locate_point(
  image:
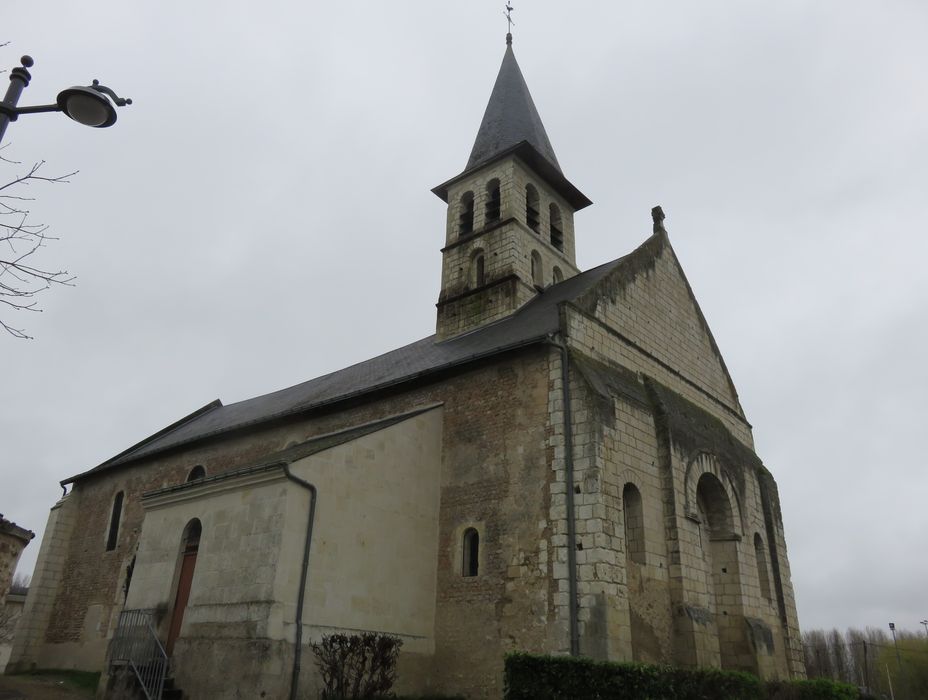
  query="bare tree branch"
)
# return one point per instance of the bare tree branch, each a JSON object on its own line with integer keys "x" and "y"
{"x": 20, "y": 240}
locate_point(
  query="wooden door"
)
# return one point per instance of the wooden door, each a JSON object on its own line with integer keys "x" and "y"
{"x": 183, "y": 594}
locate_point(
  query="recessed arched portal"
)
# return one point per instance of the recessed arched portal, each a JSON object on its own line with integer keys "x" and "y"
{"x": 190, "y": 544}
{"x": 720, "y": 542}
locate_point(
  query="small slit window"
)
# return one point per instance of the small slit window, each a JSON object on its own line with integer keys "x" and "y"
{"x": 471, "y": 561}
{"x": 116, "y": 514}
{"x": 531, "y": 208}
{"x": 493, "y": 201}
{"x": 478, "y": 275}
{"x": 537, "y": 278}
{"x": 763, "y": 575}
{"x": 557, "y": 228}
{"x": 634, "y": 524}
{"x": 466, "y": 219}
{"x": 198, "y": 472}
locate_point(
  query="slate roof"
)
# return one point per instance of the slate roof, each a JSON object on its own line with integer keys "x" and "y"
{"x": 510, "y": 118}
{"x": 296, "y": 452}
{"x": 511, "y": 126}
{"x": 533, "y": 323}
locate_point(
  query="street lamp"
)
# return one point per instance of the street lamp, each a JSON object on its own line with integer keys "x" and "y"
{"x": 90, "y": 105}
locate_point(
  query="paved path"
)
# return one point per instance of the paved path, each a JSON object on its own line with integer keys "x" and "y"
{"x": 39, "y": 688}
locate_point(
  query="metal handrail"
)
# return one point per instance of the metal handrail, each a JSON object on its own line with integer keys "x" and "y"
{"x": 136, "y": 642}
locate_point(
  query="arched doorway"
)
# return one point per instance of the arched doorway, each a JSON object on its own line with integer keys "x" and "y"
{"x": 190, "y": 544}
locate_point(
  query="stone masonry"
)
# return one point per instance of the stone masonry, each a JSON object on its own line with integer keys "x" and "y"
{"x": 13, "y": 540}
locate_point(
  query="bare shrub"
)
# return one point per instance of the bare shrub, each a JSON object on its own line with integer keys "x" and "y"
{"x": 357, "y": 666}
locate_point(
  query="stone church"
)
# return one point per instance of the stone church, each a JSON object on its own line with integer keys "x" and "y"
{"x": 563, "y": 467}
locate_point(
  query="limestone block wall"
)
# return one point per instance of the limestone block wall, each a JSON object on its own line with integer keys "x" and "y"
{"x": 676, "y": 602}
{"x": 672, "y": 590}
{"x": 28, "y": 650}
{"x": 508, "y": 246}
{"x": 513, "y": 176}
{"x": 652, "y": 308}
{"x": 590, "y": 335}
{"x": 631, "y": 460}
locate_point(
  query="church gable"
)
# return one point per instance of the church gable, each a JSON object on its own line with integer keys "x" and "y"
{"x": 647, "y": 299}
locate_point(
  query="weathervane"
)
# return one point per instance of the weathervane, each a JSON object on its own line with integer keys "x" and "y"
{"x": 508, "y": 13}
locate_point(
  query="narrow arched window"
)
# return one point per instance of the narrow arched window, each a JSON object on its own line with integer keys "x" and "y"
{"x": 557, "y": 275}
{"x": 115, "y": 515}
{"x": 763, "y": 575}
{"x": 531, "y": 207}
{"x": 479, "y": 275}
{"x": 471, "y": 552}
{"x": 634, "y": 524}
{"x": 466, "y": 220}
{"x": 537, "y": 278}
{"x": 557, "y": 228}
{"x": 493, "y": 201}
{"x": 198, "y": 472}
{"x": 191, "y": 537}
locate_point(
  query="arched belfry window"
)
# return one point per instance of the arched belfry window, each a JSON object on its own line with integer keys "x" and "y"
{"x": 493, "y": 201}
{"x": 557, "y": 227}
{"x": 477, "y": 269}
{"x": 557, "y": 275}
{"x": 466, "y": 219}
{"x": 115, "y": 515}
{"x": 763, "y": 575}
{"x": 531, "y": 207}
{"x": 198, "y": 472}
{"x": 471, "y": 561}
{"x": 537, "y": 278}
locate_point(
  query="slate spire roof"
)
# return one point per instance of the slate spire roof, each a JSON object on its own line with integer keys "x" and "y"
{"x": 510, "y": 117}
{"x": 511, "y": 126}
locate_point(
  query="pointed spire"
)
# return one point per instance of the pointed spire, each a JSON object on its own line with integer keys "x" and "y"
{"x": 510, "y": 117}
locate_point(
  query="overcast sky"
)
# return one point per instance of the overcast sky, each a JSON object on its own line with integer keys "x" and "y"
{"x": 261, "y": 215}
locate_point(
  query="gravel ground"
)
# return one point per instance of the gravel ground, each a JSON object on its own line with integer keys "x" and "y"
{"x": 39, "y": 688}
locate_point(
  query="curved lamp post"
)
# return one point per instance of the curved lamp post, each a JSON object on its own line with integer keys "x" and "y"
{"x": 93, "y": 105}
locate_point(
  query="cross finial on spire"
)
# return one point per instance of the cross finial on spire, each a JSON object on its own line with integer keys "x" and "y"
{"x": 508, "y": 13}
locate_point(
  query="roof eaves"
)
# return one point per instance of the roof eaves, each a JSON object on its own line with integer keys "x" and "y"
{"x": 535, "y": 160}
{"x": 294, "y": 453}
{"x": 305, "y": 408}
{"x": 121, "y": 457}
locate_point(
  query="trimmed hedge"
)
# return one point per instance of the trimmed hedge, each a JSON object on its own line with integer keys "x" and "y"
{"x": 531, "y": 677}
{"x": 815, "y": 689}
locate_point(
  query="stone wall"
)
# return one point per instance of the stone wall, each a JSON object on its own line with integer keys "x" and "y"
{"x": 507, "y": 245}
{"x": 13, "y": 540}
{"x": 495, "y": 472}
{"x": 644, "y": 343}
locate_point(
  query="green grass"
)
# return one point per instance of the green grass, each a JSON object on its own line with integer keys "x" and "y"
{"x": 78, "y": 680}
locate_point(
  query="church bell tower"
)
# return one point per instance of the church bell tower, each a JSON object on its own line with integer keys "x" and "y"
{"x": 510, "y": 227}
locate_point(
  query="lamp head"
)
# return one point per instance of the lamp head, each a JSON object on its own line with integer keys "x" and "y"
{"x": 91, "y": 106}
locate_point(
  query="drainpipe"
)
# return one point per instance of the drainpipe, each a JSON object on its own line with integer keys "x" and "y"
{"x": 571, "y": 524}
{"x": 298, "y": 644}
